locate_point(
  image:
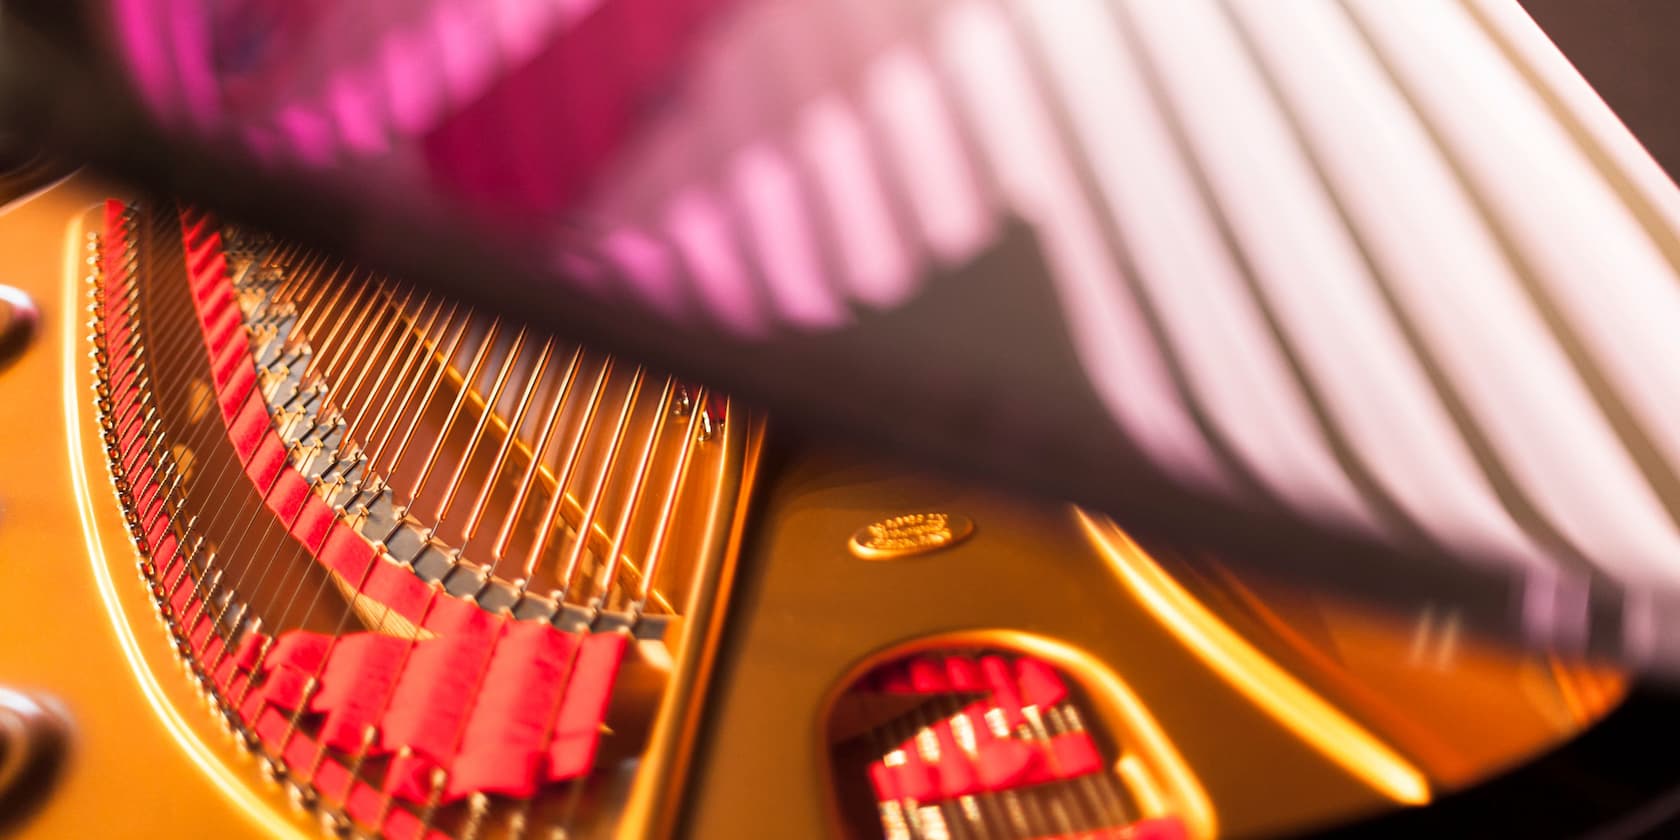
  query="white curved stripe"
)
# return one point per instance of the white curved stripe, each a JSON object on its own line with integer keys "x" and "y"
{"x": 522, "y": 27}
{"x": 354, "y": 102}
{"x": 466, "y": 57}
{"x": 1583, "y": 241}
{"x": 647, "y": 267}
{"x": 903, "y": 96}
{"x": 1323, "y": 288}
{"x": 831, "y": 139}
{"x": 1522, "y": 389}
{"x": 413, "y": 88}
{"x": 775, "y": 214}
{"x": 1617, "y": 286}
{"x": 1550, "y": 65}
{"x": 1235, "y": 370}
{"x": 309, "y": 135}
{"x": 701, "y": 231}
{"x": 1125, "y": 368}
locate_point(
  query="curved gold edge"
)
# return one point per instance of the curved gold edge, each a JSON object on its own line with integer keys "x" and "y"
{"x": 1149, "y": 764}
{"x": 655, "y": 798}
{"x": 143, "y": 665}
{"x": 1269, "y": 687}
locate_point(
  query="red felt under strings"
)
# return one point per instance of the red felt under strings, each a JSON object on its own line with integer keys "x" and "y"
{"x": 476, "y": 705}
{"x": 997, "y": 763}
{"x": 505, "y": 706}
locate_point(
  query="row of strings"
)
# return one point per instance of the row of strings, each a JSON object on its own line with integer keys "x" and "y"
{"x": 284, "y": 569}
{"x": 221, "y": 537}
{"x": 507, "y": 444}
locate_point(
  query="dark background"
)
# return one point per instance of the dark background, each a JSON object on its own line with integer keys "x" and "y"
{"x": 1630, "y": 51}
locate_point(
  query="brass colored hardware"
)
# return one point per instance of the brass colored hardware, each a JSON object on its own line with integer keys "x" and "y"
{"x": 910, "y": 534}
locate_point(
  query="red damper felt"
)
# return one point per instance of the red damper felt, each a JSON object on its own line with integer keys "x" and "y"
{"x": 1004, "y": 765}
{"x": 249, "y": 648}
{"x": 182, "y": 598}
{"x": 894, "y": 678}
{"x": 398, "y": 588}
{"x": 201, "y": 251}
{"x": 927, "y": 677}
{"x": 957, "y": 773}
{"x": 885, "y": 782}
{"x": 433, "y": 692}
{"x": 1040, "y": 685}
{"x": 313, "y": 523}
{"x": 250, "y": 425}
{"x": 217, "y": 302}
{"x": 964, "y": 675}
{"x": 1002, "y": 685}
{"x": 584, "y": 706}
{"x": 361, "y": 667}
{"x": 228, "y": 326}
{"x": 213, "y": 271}
{"x": 449, "y": 616}
{"x": 347, "y": 553}
{"x": 914, "y": 779}
{"x": 266, "y": 463}
{"x": 503, "y": 747}
{"x": 239, "y": 390}
{"x": 231, "y": 357}
{"x": 204, "y": 622}
{"x": 283, "y": 686}
{"x": 1155, "y": 828}
{"x": 1074, "y": 754}
{"x": 290, "y": 492}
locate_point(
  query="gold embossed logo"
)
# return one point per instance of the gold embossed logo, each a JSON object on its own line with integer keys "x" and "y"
{"x": 910, "y": 533}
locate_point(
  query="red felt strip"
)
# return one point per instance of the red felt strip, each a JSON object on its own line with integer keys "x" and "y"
{"x": 1007, "y": 764}
{"x": 204, "y": 624}
{"x": 220, "y": 309}
{"x": 250, "y": 425}
{"x": 957, "y": 773}
{"x": 1039, "y": 683}
{"x": 1156, "y": 828}
{"x": 885, "y": 783}
{"x": 313, "y": 522}
{"x": 240, "y": 391}
{"x": 358, "y": 676}
{"x": 456, "y": 617}
{"x": 432, "y": 695}
{"x": 249, "y": 648}
{"x": 347, "y": 553}
{"x": 501, "y": 687}
{"x": 1002, "y": 685}
{"x": 229, "y": 325}
{"x": 964, "y": 675}
{"x": 399, "y": 589}
{"x": 914, "y": 779}
{"x": 232, "y": 357}
{"x": 927, "y": 676}
{"x": 585, "y": 704}
{"x": 503, "y": 742}
{"x": 267, "y": 462}
{"x": 1074, "y": 754}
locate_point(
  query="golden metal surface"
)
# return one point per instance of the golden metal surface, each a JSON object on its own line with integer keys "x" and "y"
{"x": 1234, "y": 718}
{"x": 1255, "y": 742}
{"x": 909, "y": 534}
{"x": 144, "y": 758}
{"x": 1288, "y": 702}
{"x": 807, "y": 613}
